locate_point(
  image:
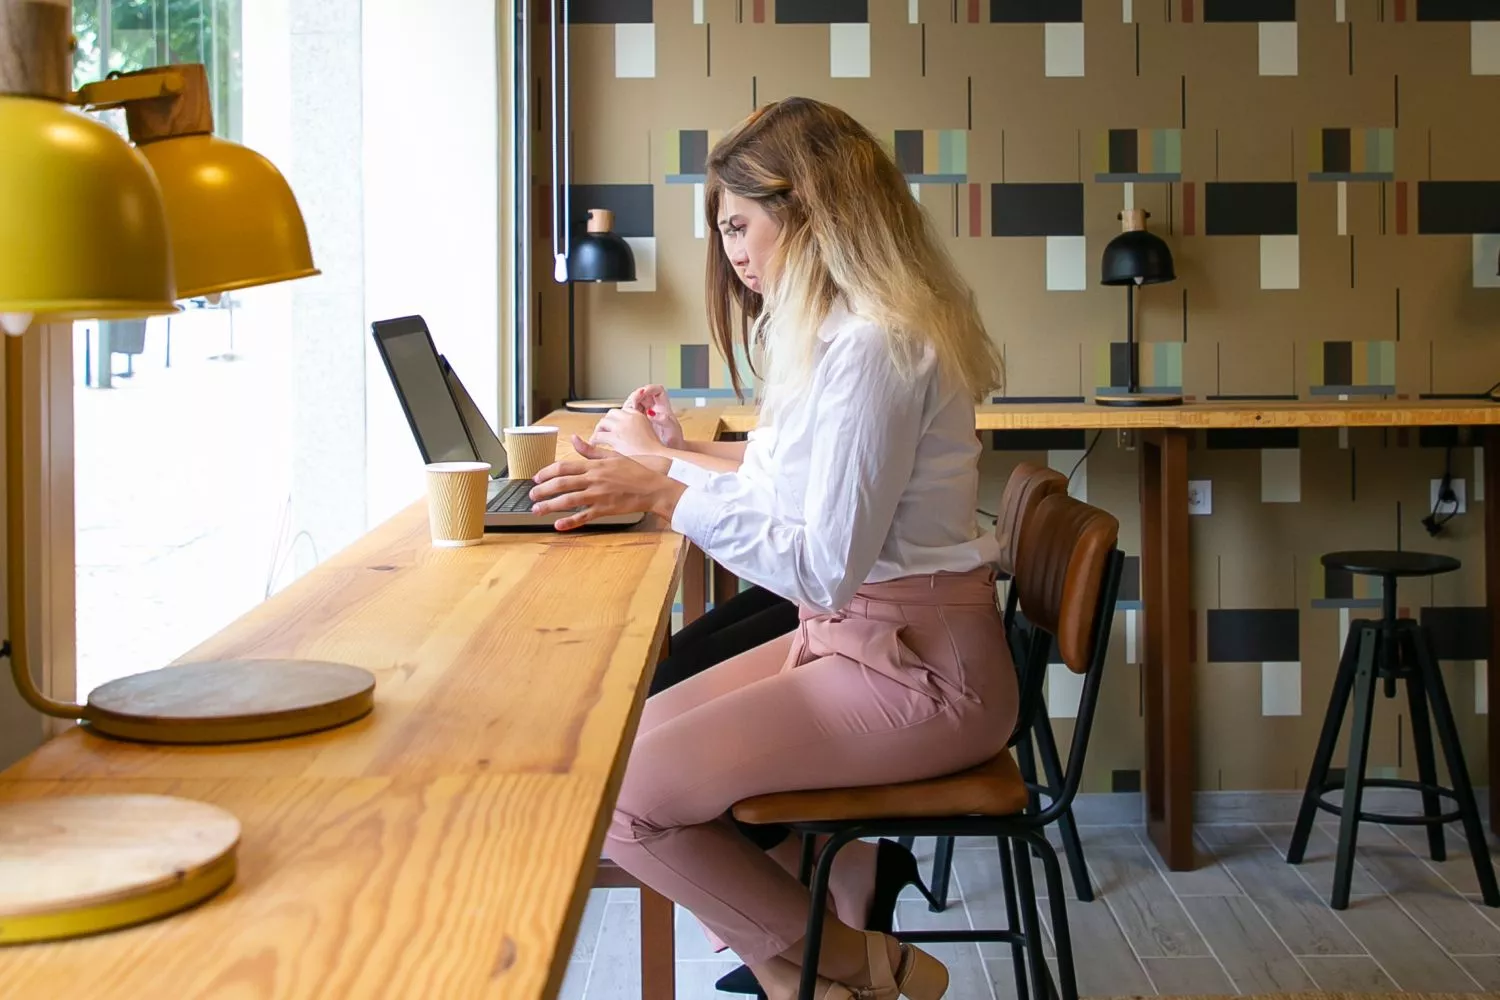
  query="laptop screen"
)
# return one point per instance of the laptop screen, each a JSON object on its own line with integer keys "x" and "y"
{"x": 412, "y": 362}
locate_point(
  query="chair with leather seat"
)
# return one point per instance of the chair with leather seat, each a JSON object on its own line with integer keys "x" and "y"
{"x": 1027, "y": 486}
{"x": 1067, "y": 579}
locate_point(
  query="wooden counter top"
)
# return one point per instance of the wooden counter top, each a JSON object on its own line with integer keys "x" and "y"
{"x": 444, "y": 845}
{"x": 1221, "y": 414}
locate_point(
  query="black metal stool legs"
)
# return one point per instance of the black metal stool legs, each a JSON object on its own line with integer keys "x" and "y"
{"x": 1421, "y": 740}
{"x": 1458, "y": 771}
{"x": 1354, "y": 773}
{"x": 1333, "y": 721}
{"x": 1392, "y": 651}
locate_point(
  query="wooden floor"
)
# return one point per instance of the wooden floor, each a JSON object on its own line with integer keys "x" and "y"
{"x": 1246, "y": 922}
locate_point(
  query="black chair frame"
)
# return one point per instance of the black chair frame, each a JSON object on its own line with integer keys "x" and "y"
{"x": 1026, "y": 828}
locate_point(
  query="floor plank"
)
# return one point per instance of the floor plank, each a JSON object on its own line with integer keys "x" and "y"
{"x": 1208, "y": 879}
{"x": 1152, "y": 919}
{"x": 1254, "y": 957}
{"x": 1484, "y": 968}
{"x": 1103, "y": 961}
{"x": 588, "y": 927}
{"x": 1349, "y": 975}
{"x": 575, "y": 981}
{"x": 617, "y": 960}
{"x": 984, "y": 897}
{"x": 1454, "y": 922}
{"x": 1457, "y": 870}
{"x": 1003, "y": 978}
{"x": 1318, "y": 862}
{"x": 1175, "y": 977}
{"x": 1305, "y": 922}
{"x": 1408, "y": 955}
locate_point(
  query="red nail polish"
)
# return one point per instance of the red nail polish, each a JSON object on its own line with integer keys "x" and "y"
{"x": 650, "y": 413}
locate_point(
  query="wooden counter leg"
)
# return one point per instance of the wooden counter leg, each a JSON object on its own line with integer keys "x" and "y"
{"x": 1491, "y": 443}
{"x": 694, "y": 585}
{"x": 658, "y": 947}
{"x": 1167, "y": 663}
{"x": 726, "y": 584}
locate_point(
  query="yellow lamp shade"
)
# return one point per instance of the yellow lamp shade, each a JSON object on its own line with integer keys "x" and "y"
{"x": 83, "y": 234}
{"x": 232, "y": 216}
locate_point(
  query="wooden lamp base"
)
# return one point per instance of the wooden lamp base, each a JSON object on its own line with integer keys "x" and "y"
{"x": 1140, "y": 399}
{"x": 86, "y": 864}
{"x": 232, "y": 701}
{"x": 593, "y": 405}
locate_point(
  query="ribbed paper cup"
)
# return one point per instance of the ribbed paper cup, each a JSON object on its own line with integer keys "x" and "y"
{"x": 455, "y": 502}
{"x": 529, "y": 450}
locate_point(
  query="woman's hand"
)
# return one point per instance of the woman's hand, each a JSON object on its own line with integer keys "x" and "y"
{"x": 652, "y": 400}
{"x": 629, "y": 432}
{"x": 599, "y": 486}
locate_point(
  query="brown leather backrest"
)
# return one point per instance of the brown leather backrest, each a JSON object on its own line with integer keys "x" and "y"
{"x": 1028, "y": 485}
{"x": 1063, "y": 559}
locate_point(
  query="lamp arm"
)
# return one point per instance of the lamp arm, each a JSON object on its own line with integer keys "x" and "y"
{"x": 16, "y": 646}
{"x": 118, "y": 91}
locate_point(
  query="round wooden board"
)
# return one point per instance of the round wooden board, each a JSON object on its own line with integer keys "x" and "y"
{"x": 231, "y": 701}
{"x": 593, "y": 405}
{"x": 1139, "y": 399}
{"x": 83, "y": 864}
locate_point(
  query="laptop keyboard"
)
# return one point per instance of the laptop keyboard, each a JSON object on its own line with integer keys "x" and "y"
{"x": 513, "y": 498}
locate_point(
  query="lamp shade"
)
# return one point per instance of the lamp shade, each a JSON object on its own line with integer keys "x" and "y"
{"x": 1136, "y": 257}
{"x": 233, "y": 219}
{"x": 84, "y": 230}
{"x": 601, "y": 254}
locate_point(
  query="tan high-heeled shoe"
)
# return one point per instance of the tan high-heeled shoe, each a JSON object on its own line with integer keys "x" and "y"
{"x": 782, "y": 979}
{"x": 918, "y": 977}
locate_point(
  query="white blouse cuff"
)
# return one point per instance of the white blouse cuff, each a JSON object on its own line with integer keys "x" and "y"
{"x": 688, "y": 474}
{"x": 698, "y": 512}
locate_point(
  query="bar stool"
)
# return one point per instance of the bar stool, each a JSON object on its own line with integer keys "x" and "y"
{"x": 1392, "y": 649}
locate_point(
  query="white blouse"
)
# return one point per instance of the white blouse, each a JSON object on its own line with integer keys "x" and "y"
{"x": 867, "y": 476}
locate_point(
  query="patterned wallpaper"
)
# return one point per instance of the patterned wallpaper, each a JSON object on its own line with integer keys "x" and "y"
{"x": 1327, "y": 174}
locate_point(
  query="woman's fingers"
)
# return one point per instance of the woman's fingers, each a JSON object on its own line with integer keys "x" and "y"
{"x": 586, "y": 448}
{"x": 560, "y": 469}
{"x": 559, "y": 486}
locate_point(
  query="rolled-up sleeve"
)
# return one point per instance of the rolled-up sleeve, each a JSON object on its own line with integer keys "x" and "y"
{"x": 688, "y": 474}
{"x": 868, "y": 421}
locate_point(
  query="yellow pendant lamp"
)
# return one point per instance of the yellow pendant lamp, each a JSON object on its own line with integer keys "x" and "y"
{"x": 96, "y": 228}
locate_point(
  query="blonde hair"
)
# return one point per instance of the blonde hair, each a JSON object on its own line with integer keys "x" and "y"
{"x": 850, "y": 229}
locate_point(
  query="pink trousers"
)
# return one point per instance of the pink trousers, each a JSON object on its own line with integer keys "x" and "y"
{"x": 912, "y": 680}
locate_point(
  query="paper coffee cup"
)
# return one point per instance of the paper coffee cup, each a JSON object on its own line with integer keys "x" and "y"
{"x": 455, "y": 502}
{"x": 529, "y": 450}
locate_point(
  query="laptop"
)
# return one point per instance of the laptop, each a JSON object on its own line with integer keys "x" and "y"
{"x": 449, "y": 426}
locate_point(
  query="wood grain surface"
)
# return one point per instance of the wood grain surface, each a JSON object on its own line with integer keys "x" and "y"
{"x": 1289, "y": 413}
{"x": 442, "y": 846}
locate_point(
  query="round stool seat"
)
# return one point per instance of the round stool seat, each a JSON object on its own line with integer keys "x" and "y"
{"x": 1380, "y": 562}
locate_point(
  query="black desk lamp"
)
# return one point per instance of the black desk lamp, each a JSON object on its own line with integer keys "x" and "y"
{"x": 600, "y": 254}
{"x": 1136, "y": 257}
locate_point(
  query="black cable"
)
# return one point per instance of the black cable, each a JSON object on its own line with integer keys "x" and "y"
{"x": 1076, "y": 466}
{"x": 1433, "y": 522}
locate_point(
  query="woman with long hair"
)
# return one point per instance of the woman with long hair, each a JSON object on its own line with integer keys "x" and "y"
{"x": 855, "y": 500}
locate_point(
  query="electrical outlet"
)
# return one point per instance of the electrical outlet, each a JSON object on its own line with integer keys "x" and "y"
{"x": 1200, "y": 496}
{"x": 1445, "y": 507}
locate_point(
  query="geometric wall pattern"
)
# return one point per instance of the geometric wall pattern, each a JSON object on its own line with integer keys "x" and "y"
{"x": 1327, "y": 175}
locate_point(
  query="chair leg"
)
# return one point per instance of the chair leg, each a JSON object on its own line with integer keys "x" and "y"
{"x": 1030, "y": 920}
{"x": 1458, "y": 771}
{"x": 812, "y": 945}
{"x": 1354, "y": 777}
{"x": 1067, "y": 826}
{"x": 906, "y": 842}
{"x": 809, "y": 848}
{"x": 1333, "y": 721}
{"x": 1421, "y": 739}
{"x": 1061, "y": 937}
{"x": 1012, "y": 912}
{"x": 942, "y": 869}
